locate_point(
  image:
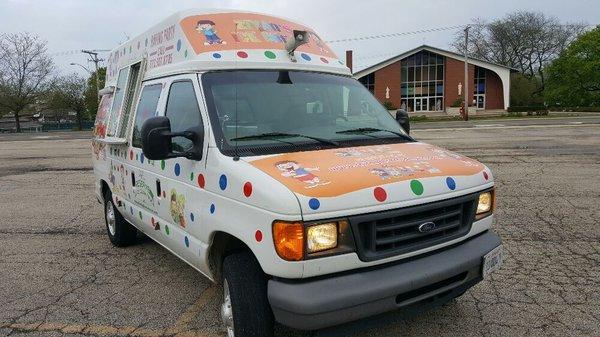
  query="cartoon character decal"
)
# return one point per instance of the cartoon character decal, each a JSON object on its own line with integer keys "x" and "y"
{"x": 177, "y": 208}
{"x": 389, "y": 172}
{"x": 116, "y": 176}
{"x": 207, "y": 28}
{"x": 142, "y": 194}
{"x": 294, "y": 170}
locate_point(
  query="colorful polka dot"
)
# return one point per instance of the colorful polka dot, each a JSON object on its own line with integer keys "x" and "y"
{"x": 416, "y": 187}
{"x": 185, "y": 54}
{"x": 451, "y": 183}
{"x": 305, "y": 56}
{"x": 201, "y": 181}
{"x": 223, "y": 182}
{"x": 242, "y": 54}
{"x": 216, "y": 55}
{"x": 131, "y": 210}
{"x": 140, "y": 214}
{"x": 324, "y": 60}
{"x": 191, "y": 176}
{"x": 212, "y": 208}
{"x": 192, "y": 217}
{"x": 248, "y": 189}
{"x": 142, "y": 158}
{"x": 130, "y": 154}
{"x": 177, "y": 169}
{"x": 258, "y": 236}
{"x": 270, "y": 55}
{"x": 162, "y": 164}
{"x": 187, "y": 242}
{"x": 314, "y": 203}
{"x": 179, "y": 45}
{"x": 137, "y": 157}
{"x": 380, "y": 194}
{"x": 167, "y": 230}
{"x": 485, "y": 175}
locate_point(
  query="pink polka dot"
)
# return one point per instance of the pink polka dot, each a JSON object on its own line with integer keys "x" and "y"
{"x": 324, "y": 60}
{"x": 380, "y": 194}
{"x": 485, "y": 175}
{"x": 131, "y": 154}
{"x": 258, "y": 236}
{"x": 242, "y": 54}
{"x": 152, "y": 221}
{"x": 164, "y": 194}
{"x": 201, "y": 181}
{"x": 247, "y": 189}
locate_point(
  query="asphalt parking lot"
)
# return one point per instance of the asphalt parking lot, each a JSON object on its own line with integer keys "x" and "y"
{"x": 59, "y": 275}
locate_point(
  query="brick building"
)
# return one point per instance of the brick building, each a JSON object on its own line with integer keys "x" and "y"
{"x": 429, "y": 80}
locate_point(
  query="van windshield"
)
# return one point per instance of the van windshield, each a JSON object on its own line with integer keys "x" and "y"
{"x": 264, "y": 112}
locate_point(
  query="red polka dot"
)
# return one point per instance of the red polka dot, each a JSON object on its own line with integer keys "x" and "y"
{"x": 131, "y": 154}
{"x": 485, "y": 175}
{"x": 324, "y": 60}
{"x": 164, "y": 194}
{"x": 380, "y": 194}
{"x": 152, "y": 221}
{"x": 258, "y": 236}
{"x": 201, "y": 181}
{"x": 242, "y": 54}
{"x": 247, "y": 189}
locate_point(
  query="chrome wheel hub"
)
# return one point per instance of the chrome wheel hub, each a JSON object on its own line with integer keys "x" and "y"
{"x": 226, "y": 312}
{"x": 111, "y": 221}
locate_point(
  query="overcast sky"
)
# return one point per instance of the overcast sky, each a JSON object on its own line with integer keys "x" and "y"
{"x": 102, "y": 24}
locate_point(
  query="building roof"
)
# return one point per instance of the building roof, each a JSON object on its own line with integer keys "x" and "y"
{"x": 443, "y": 52}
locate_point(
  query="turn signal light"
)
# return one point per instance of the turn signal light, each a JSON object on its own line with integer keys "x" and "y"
{"x": 288, "y": 238}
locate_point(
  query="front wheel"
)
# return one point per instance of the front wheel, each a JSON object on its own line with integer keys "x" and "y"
{"x": 245, "y": 310}
{"x": 120, "y": 232}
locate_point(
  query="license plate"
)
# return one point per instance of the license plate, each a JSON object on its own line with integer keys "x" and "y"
{"x": 492, "y": 261}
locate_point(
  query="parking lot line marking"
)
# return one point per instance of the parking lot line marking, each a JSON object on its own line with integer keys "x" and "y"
{"x": 183, "y": 322}
{"x": 85, "y": 329}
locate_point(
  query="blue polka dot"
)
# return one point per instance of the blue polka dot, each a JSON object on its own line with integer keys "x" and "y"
{"x": 177, "y": 169}
{"x": 314, "y": 203}
{"x": 217, "y": 55}
{"x": 179, "y": 45}
{"x": 223, "y": 182}
{"x": 451, "y": 183}
{"x": 305, "y": 56}
{"x": 187, "y": 242}
{"x": 131, "y": 209}
{"x": 212, "y": 209}
{"x": 142, "y": 158}
{"x": 192, "y": 217}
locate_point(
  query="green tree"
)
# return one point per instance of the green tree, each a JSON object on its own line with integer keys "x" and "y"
{"x": 91, "y": 92}
{"x": 68, "y": 94}
{"x": 574, "y": 78}
{"x": 523, "y": 90}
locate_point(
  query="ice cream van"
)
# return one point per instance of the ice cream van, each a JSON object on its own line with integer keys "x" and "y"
{"x": 241, "y": 143}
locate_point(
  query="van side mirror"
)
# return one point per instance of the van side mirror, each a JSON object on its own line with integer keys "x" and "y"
{"x": 156, "y": 140}
{"x": 403, "y": 120}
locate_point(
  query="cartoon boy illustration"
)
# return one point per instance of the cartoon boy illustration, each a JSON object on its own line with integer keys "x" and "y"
{"x": 207, "y": 27}
{"x": 177, "y": 208}
{"x": 293, "y": 170}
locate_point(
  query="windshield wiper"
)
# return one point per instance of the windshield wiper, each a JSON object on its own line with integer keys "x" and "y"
{"x": 275, "y": 135}
{"x": 370, "y": 130}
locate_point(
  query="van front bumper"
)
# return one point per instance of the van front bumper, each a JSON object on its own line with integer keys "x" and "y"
{"x": 413, "y": 285}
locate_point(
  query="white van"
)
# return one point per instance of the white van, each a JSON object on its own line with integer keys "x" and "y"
{"x": 241, "y": 143}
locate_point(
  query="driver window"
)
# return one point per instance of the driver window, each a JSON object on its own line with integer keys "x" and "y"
{"x": 183, "y": 112}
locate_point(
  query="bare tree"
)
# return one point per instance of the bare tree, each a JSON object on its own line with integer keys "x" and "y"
{"x": 527, "y": 41}
{"x": 25, "y": 71}
{"x": 66, "y": 94}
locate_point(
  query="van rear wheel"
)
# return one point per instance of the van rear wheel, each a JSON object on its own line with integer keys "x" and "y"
{"x": 120, "y": 232}
{"x": 245, "y": 311}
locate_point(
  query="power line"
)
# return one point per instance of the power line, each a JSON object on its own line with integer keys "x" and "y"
{"x": 77, "y": 51}
{"x": 371, "y": 37}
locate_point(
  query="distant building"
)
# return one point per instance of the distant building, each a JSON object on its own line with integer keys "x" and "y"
{"x": 429, "y": 80}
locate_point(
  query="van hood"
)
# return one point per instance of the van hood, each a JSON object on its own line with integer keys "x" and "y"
{"x": 359, "y": 177}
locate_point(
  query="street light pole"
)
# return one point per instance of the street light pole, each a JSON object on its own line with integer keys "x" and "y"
{"x": 89, "y": 72}
{"x": 94, "y": 58}
{"x": 466, "y": 100}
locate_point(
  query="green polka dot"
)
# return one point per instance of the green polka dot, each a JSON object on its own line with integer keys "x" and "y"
{"x": 416, "y": 187}
{"x": 185, "y": 53}
{"x": 162, "y": 164}
{"x": 191, "y": 176}
{"x": 167, "y": 229}
{"x": 140, "y": 214}
{"x": 269, "y": 54}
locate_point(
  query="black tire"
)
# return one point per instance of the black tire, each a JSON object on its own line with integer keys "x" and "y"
{"x": 247, "y": 284}
{"x": 123, "y": 233}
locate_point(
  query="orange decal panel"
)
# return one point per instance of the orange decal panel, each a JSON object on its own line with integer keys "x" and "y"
{"x": 333, "y": 172}
{"x": 232, "y": 31}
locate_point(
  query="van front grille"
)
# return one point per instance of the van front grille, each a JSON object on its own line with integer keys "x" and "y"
{"x": 389, "y": 233}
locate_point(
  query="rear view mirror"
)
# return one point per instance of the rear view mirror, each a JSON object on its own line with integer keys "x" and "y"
{"x": 156, "y": 140}
{"x": 403, "y": 120}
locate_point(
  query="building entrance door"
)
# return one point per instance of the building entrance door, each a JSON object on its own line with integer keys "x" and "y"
{"x": 421, "y": 104}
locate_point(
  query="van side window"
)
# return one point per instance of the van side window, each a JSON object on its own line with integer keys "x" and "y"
{"x": 146, "y": 108}
{"x": 116, "y": 111}
{"x": 132, "y": 84}
{"x": 183, "y": 112}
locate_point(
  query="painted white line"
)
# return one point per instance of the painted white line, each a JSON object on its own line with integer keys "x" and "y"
{"x": 487, "y": 125}
{"x": 576, "y": 123}
{"x": 511, "y": 127}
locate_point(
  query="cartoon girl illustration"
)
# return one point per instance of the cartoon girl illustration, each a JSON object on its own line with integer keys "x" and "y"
{"x": 293, "y": 170}
{"x": 177, "y": 208}
{"x": 207, "y": 27}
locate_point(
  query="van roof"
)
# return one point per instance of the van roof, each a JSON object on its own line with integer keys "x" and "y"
{"x": 201, "y": 40}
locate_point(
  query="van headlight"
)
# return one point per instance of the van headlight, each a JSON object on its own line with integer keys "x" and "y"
{"x": 296, "y": 241}
{"x": 485, "y": 204}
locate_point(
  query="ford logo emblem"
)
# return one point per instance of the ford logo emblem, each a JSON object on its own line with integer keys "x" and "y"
{"x": 427, "y": 227}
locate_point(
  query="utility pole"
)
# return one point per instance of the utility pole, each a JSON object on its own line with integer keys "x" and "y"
{"x": 94, "y": 58}
{"x": 466, "y": 100}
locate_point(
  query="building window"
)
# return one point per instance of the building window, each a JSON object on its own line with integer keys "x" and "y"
{"x": 368, "y": 81}
{"x": 479, "y": 87}
{"x": 422, "y": 82}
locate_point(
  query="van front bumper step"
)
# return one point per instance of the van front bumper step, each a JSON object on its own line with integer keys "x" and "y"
{"x": 413, "y": 286}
